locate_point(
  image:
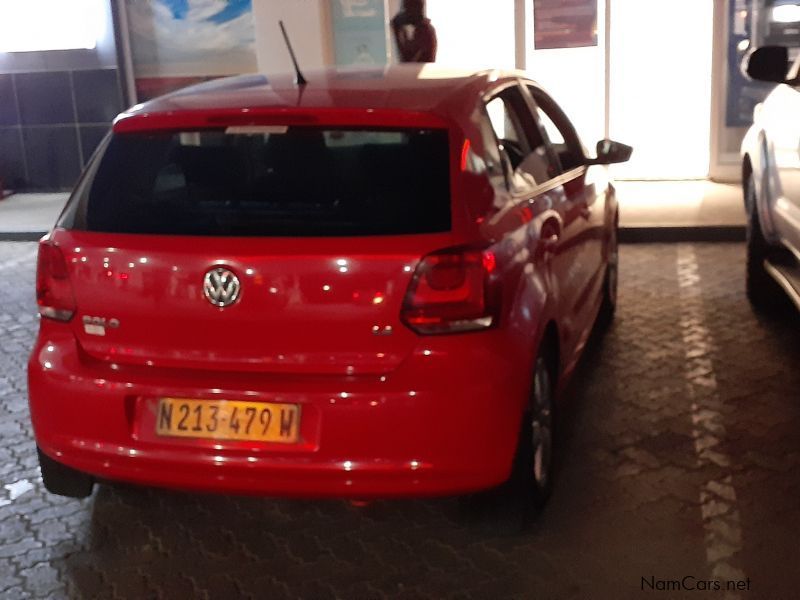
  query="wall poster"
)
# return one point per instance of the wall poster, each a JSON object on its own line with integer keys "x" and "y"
{"x": 564, "y": 23}
{"x": 178, "y": 42}
{"x": 359, "y": 32}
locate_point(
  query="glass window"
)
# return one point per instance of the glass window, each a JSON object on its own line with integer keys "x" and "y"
{"x": 520, "y": 139}
{"x": 501, "y": 116}
{"x": 553, "y": 134}
{"x": 295, "y": 181}
{"x": 559, "y": 130}
{"x": 777, "y": 22}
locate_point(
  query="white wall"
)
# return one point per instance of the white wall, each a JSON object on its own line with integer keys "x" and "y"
{"x": 392, "y": 8}
{"x": 102, "y": 56}
{"x": 660, "y": 67}
{"x": 661, "y": 56}
{"x": 473, "y": 33}
{"x": 470, "y": 33}
{"x": 308, "y": 25}
{"x": 575, "y": 77}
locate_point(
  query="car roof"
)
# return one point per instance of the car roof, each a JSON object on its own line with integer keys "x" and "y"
{"x": 418, "y": 87}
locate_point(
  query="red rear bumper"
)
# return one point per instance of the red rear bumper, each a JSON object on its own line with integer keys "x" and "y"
{"x": 445, "y": 421}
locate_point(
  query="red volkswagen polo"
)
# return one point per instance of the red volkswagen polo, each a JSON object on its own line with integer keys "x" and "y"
{"x": 371, "y": 285}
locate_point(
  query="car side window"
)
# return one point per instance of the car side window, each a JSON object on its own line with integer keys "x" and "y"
{"x": 559, "y": 130}
{"x": 503, "y": 121}
{"x": 553, "y": 134}
{"x": 519, "y": 139}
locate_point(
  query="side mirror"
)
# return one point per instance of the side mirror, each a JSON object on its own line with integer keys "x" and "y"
{"x": 768, "y": 63}
{"x": 609, "y": 151}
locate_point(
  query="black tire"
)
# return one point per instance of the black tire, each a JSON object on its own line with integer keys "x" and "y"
{"x": 763, "y": 291}
{"x": 63, "y": 480}
{"x": 532, "y": 473}
{"x": 610, "y": 283}
{"x": 515, "y": 504}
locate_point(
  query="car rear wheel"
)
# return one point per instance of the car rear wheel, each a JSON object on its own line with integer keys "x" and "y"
{"x": 517, "y": 502}
{"x": 532, "y": 474}
{"x": 63, "y": 480}
{"x": 610, "y": 284}
{"x": 763, "y": 291}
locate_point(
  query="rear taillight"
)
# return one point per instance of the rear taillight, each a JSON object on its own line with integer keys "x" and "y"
{"x": 53, "y": 288}
{"x": 452, "y": 291}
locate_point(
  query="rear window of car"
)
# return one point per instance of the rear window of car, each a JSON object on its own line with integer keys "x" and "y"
{"x": 268, "y": 181}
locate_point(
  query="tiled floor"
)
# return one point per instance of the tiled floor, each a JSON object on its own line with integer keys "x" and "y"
{"x": 21, "y": 213}
{"x": 697, "y": 203}
{"x": 680, "y": 464}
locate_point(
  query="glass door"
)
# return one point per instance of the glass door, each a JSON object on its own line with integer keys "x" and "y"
{"x": 660, "y": 86}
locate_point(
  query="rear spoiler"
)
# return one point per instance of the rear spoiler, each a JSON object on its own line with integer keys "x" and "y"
{"x": 339, "y": 117}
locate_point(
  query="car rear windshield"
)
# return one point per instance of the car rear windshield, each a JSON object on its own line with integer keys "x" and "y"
{"x": 269, "y": 181}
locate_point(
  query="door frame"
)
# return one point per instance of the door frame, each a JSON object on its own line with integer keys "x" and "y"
{"x": 723, "y": 167}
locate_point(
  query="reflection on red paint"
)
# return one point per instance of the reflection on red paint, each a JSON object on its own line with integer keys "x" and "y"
{"x": 489, "y": 261}
{"x": 527, "y": 214}
{"x": 465, "y": 154}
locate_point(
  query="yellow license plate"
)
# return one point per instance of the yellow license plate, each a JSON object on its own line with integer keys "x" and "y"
{"x": 228, "y": 420}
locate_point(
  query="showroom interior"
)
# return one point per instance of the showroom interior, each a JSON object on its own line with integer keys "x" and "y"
{"x": 678, "y": 434}
{"x": 620, "y": 77}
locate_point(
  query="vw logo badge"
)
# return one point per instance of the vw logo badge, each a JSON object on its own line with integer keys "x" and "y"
{"x": 221, "y": 287}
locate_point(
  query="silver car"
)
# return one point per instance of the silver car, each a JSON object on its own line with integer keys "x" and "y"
{"x": 771, "y": 180}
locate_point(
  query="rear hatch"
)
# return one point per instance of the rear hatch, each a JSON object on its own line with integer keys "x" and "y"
{"x": 270, "y": 248}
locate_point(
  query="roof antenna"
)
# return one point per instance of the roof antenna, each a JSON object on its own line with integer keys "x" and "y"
{"x": 299, "y": 79}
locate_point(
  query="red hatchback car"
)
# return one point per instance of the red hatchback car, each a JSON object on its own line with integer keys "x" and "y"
{"x": 372, "y": 285}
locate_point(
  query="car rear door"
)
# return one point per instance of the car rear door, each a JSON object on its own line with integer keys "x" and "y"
{"x": 585, "y": 191}
{"x": 536, "y": 189}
